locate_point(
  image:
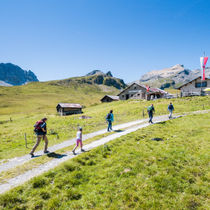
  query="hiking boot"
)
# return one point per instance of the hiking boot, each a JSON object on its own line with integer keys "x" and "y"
{"x": 46, "y": 152}
{"x": 74, "y": 152}
{"x": 32, "y": 155}
{"x": 82, "y": 150}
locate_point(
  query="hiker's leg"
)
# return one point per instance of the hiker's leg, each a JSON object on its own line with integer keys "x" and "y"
{"x": 81, "y": 144}
{"x": 74, "y": 148}
{"x": 171, "y": 114}
{"x": 77, "y": 144}
{"x": 46, "y": 143}
{"x": 108, "y": 126}
{"x": 37, "y": 144}
{"x": 150, "y": 118}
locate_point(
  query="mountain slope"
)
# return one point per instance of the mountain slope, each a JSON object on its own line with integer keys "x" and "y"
{"x": 11, "y": 74}
{"x": 42, "y": 97}
{"x": 96, "y": 77}
{"x": 171, "y": 77}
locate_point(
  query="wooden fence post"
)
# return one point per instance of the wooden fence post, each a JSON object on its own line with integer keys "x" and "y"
{"x": 25, "y": 140}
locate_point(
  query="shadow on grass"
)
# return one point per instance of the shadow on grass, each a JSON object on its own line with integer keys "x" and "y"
{"x": 161, "y": 123}
{"x": 56, "y": 155}
{"x": 118, "y": 131}
{"x": 157, "y": 139}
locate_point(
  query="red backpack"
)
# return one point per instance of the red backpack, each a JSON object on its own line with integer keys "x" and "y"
{"x": 37, "y": 126}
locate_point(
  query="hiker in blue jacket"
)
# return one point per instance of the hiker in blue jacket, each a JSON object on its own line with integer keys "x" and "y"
{"x": 110, "y": 119}
{"x": 150, "y": 111}
{"x": 170, "y": 109}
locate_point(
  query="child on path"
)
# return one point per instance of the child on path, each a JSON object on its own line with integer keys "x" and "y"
{"x": 41, "y": 132}
{"x": 110, "y": 119}
{"x": 170, "y": 109}
{"x": 78, "y": 141}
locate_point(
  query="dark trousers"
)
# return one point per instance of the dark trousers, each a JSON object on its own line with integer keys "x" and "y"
{"x": 150, "y": 117}
{"x": 109, "y": 125}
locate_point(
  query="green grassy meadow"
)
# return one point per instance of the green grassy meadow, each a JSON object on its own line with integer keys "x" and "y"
{"x": 131, "y": 172}
{"x": 27, "y": 104}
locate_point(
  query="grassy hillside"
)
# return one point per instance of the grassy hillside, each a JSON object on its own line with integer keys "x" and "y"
{"x": 42, "y": 97}
{"x": 132, "y": 172}
{"x": 63, "y": 128}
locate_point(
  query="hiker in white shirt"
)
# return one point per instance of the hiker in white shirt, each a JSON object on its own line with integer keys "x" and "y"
{"x": 78, "y": 141}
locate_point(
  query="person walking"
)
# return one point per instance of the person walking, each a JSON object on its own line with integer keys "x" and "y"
{"x": 78, "y": 141}
{"x": 40, "y": 129}
{"x": 110, "y": 119}
{"x": 150, "y": 111}
{"x": 170, "y": 109}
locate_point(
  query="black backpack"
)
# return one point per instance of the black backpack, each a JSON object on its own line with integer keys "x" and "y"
{"x": 170, "y": 106}
{"x": 108, "y": 117}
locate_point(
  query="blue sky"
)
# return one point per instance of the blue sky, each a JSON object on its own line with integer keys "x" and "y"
{"x": 58, "y": 39}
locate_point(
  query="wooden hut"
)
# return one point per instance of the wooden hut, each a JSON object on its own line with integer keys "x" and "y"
{"x": 67, "y": 108}
{"x": 108, "y": 98}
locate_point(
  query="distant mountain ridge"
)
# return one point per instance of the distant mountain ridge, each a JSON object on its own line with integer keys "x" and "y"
{"x": 171, "y": 77}
{"x": 96, "y": 77}
{"x": 11, "y": 75}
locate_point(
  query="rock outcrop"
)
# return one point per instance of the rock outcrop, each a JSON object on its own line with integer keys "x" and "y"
{"x": 171, "y": 77}
{"x": 11, "y": 74}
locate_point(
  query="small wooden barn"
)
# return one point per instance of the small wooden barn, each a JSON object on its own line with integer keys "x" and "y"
{"x": 67, "y": 108}
{"x": 108, "y": 98}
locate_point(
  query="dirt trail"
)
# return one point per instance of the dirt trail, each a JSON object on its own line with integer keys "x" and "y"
{"x": 20, "y": 179}
{"x": 14, "y": 162}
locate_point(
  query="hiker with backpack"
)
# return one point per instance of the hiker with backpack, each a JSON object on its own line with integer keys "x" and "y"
{"x": 150, "y": 111}
{"x": 40, "y": 129}
{"x": 110, "y": 119}
{"x": 170, "y": 109}
{"x": 78, "y": 141}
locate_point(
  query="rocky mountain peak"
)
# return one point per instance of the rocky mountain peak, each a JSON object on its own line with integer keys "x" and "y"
{"x": 99, "y": 72}
{"x": 95, "y": 72}
{"x": 11, "y": 74}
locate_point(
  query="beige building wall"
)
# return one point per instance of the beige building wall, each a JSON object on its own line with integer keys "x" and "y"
{"x": 134, "y": 91}
{"x": 190, "y": 88}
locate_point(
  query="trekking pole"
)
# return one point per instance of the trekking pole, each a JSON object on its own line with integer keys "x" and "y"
{"x": 143, "y": 113}
{"x": 25, "y": 140}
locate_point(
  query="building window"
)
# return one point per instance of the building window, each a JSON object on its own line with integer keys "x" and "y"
{"x": 131, "y": 95}
{"x": 200, "y": 84}
{"x": 122, "y": 96}
{"x": 134, "y": 87}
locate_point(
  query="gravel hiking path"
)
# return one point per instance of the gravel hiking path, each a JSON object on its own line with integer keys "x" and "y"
{"x": 128, "y": 128}
{"x": 11, "y": 163}
{"x": 20, "y": 179}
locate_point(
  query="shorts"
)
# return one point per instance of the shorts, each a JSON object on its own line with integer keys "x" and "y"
{"x": 79, "y": 141}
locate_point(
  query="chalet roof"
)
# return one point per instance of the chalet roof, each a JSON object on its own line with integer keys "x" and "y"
{"x": 112, "y": 97}
{"x": 191, "y": 81}
{"x": 140, "y": 85}
{"x": 151, "y": 90}
{"x": 68, "y": 105}
{"x": 157, "y": 90}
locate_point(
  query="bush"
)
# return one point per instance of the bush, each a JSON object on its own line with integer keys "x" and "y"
{"x": 39, "y": 182}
